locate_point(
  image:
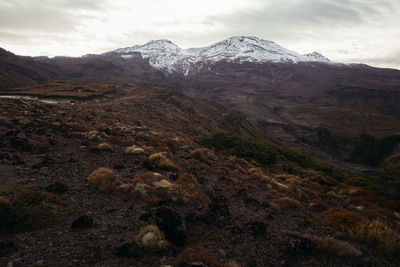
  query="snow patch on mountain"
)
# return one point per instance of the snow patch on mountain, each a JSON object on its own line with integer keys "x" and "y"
{"x": 315, "y": 56}
{"x": 166, "y": 56}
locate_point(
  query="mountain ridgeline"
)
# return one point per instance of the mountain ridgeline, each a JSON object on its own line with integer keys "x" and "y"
{"x": 290, "y": 95}
{"x": 241, "y": 153}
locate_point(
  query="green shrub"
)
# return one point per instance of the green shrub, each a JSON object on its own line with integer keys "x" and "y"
{"x": 371, "y": 151}
{"x": 268, "y": 152}
{"x": 385, "y": 181}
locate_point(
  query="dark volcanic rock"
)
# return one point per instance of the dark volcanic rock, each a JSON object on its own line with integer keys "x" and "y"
{"x": 256, "y": 228}
{"x": 6, "y": 247}
{"x": 128, "y": 250}
{"x": 219, "y": 206}
{"x": 299, "y": 245}
{"x": 170, "y": 221}
{"x": 21, "y": 143}
{"x": 84, "y": 221}
{"x": 57, "y": 188}
{"x": 46, "y": 162}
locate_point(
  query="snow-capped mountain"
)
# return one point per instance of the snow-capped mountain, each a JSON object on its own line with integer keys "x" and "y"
{"x": 166, "y": 56}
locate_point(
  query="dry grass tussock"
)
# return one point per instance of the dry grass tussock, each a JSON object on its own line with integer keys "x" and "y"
{"x": 378, "y": 236}
{"x": 331, "y": 246}
{"x": 151, "y": 238}
{"x": 163, "y": 162}
{"x": 103, "y": 178}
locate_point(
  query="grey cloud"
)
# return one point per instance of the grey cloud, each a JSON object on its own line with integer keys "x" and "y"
{"x": 293, "y": 19}
{"x": 389, "y": 60}
{"x": 45, "y": 15}
{"x": 27, "y": 23}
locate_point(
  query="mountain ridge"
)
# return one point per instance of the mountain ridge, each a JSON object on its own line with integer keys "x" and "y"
{"x": 167, "y": 56}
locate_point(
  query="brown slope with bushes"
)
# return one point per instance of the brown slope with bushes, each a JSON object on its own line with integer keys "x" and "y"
{"x": 130, "y": 185}
{"x": 322, "y": 109}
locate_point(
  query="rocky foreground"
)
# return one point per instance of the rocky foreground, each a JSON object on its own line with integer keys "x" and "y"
{"x": 116, "y": 177}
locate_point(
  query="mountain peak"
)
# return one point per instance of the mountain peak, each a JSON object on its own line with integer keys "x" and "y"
{"x": 248, "y": 39}
{"x": 167, "y": 56}
{"x": 161, "y": 43}
{"x": 317, "y": 57}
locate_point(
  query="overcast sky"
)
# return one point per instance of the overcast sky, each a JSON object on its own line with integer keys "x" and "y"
{"x": 366, "y": 31}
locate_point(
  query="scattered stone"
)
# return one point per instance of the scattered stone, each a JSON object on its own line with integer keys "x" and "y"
{"x": 6, "y": 156}
{"x": 222, "y": 252}
{"x": 299, "y": 245}
{"x": 151, "y": 238}
{"x": 104, "y": 147}
{"x": 46, "y": 162}
{"x": 134, "y": 150}
{"x": 82, "y": 222}
{"x": 162, "y": 183}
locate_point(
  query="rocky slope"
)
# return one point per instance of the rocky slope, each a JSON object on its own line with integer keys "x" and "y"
{"x": 119, "y": 179}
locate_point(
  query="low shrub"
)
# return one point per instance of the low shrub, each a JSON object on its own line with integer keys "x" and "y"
{"x": 267, "y": 152}
{"x": 151, "y": 238}
{"x": 203, "y": 154}
{"x": 28, "y": 207}
{"x": 117, "y": 141}
{"x": 186, "y": 178}
{"x": 41, "y": 144}
{"x": 104, "y": 147}
{"x": 103, "y": 178}
{"x": 199, "y": 255}
{"x": 372, "y": 151}
{"x": 285, "y": 203}
{"x": 190, "y": 190}
{"x": 163, "y": 162}
{"x": 378, "y": 236}
{"x": 333, "y": 247}
{"x": 340, "y": 220}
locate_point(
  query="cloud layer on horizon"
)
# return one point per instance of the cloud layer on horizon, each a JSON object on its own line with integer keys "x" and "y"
{"x": 343, "y": 30}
